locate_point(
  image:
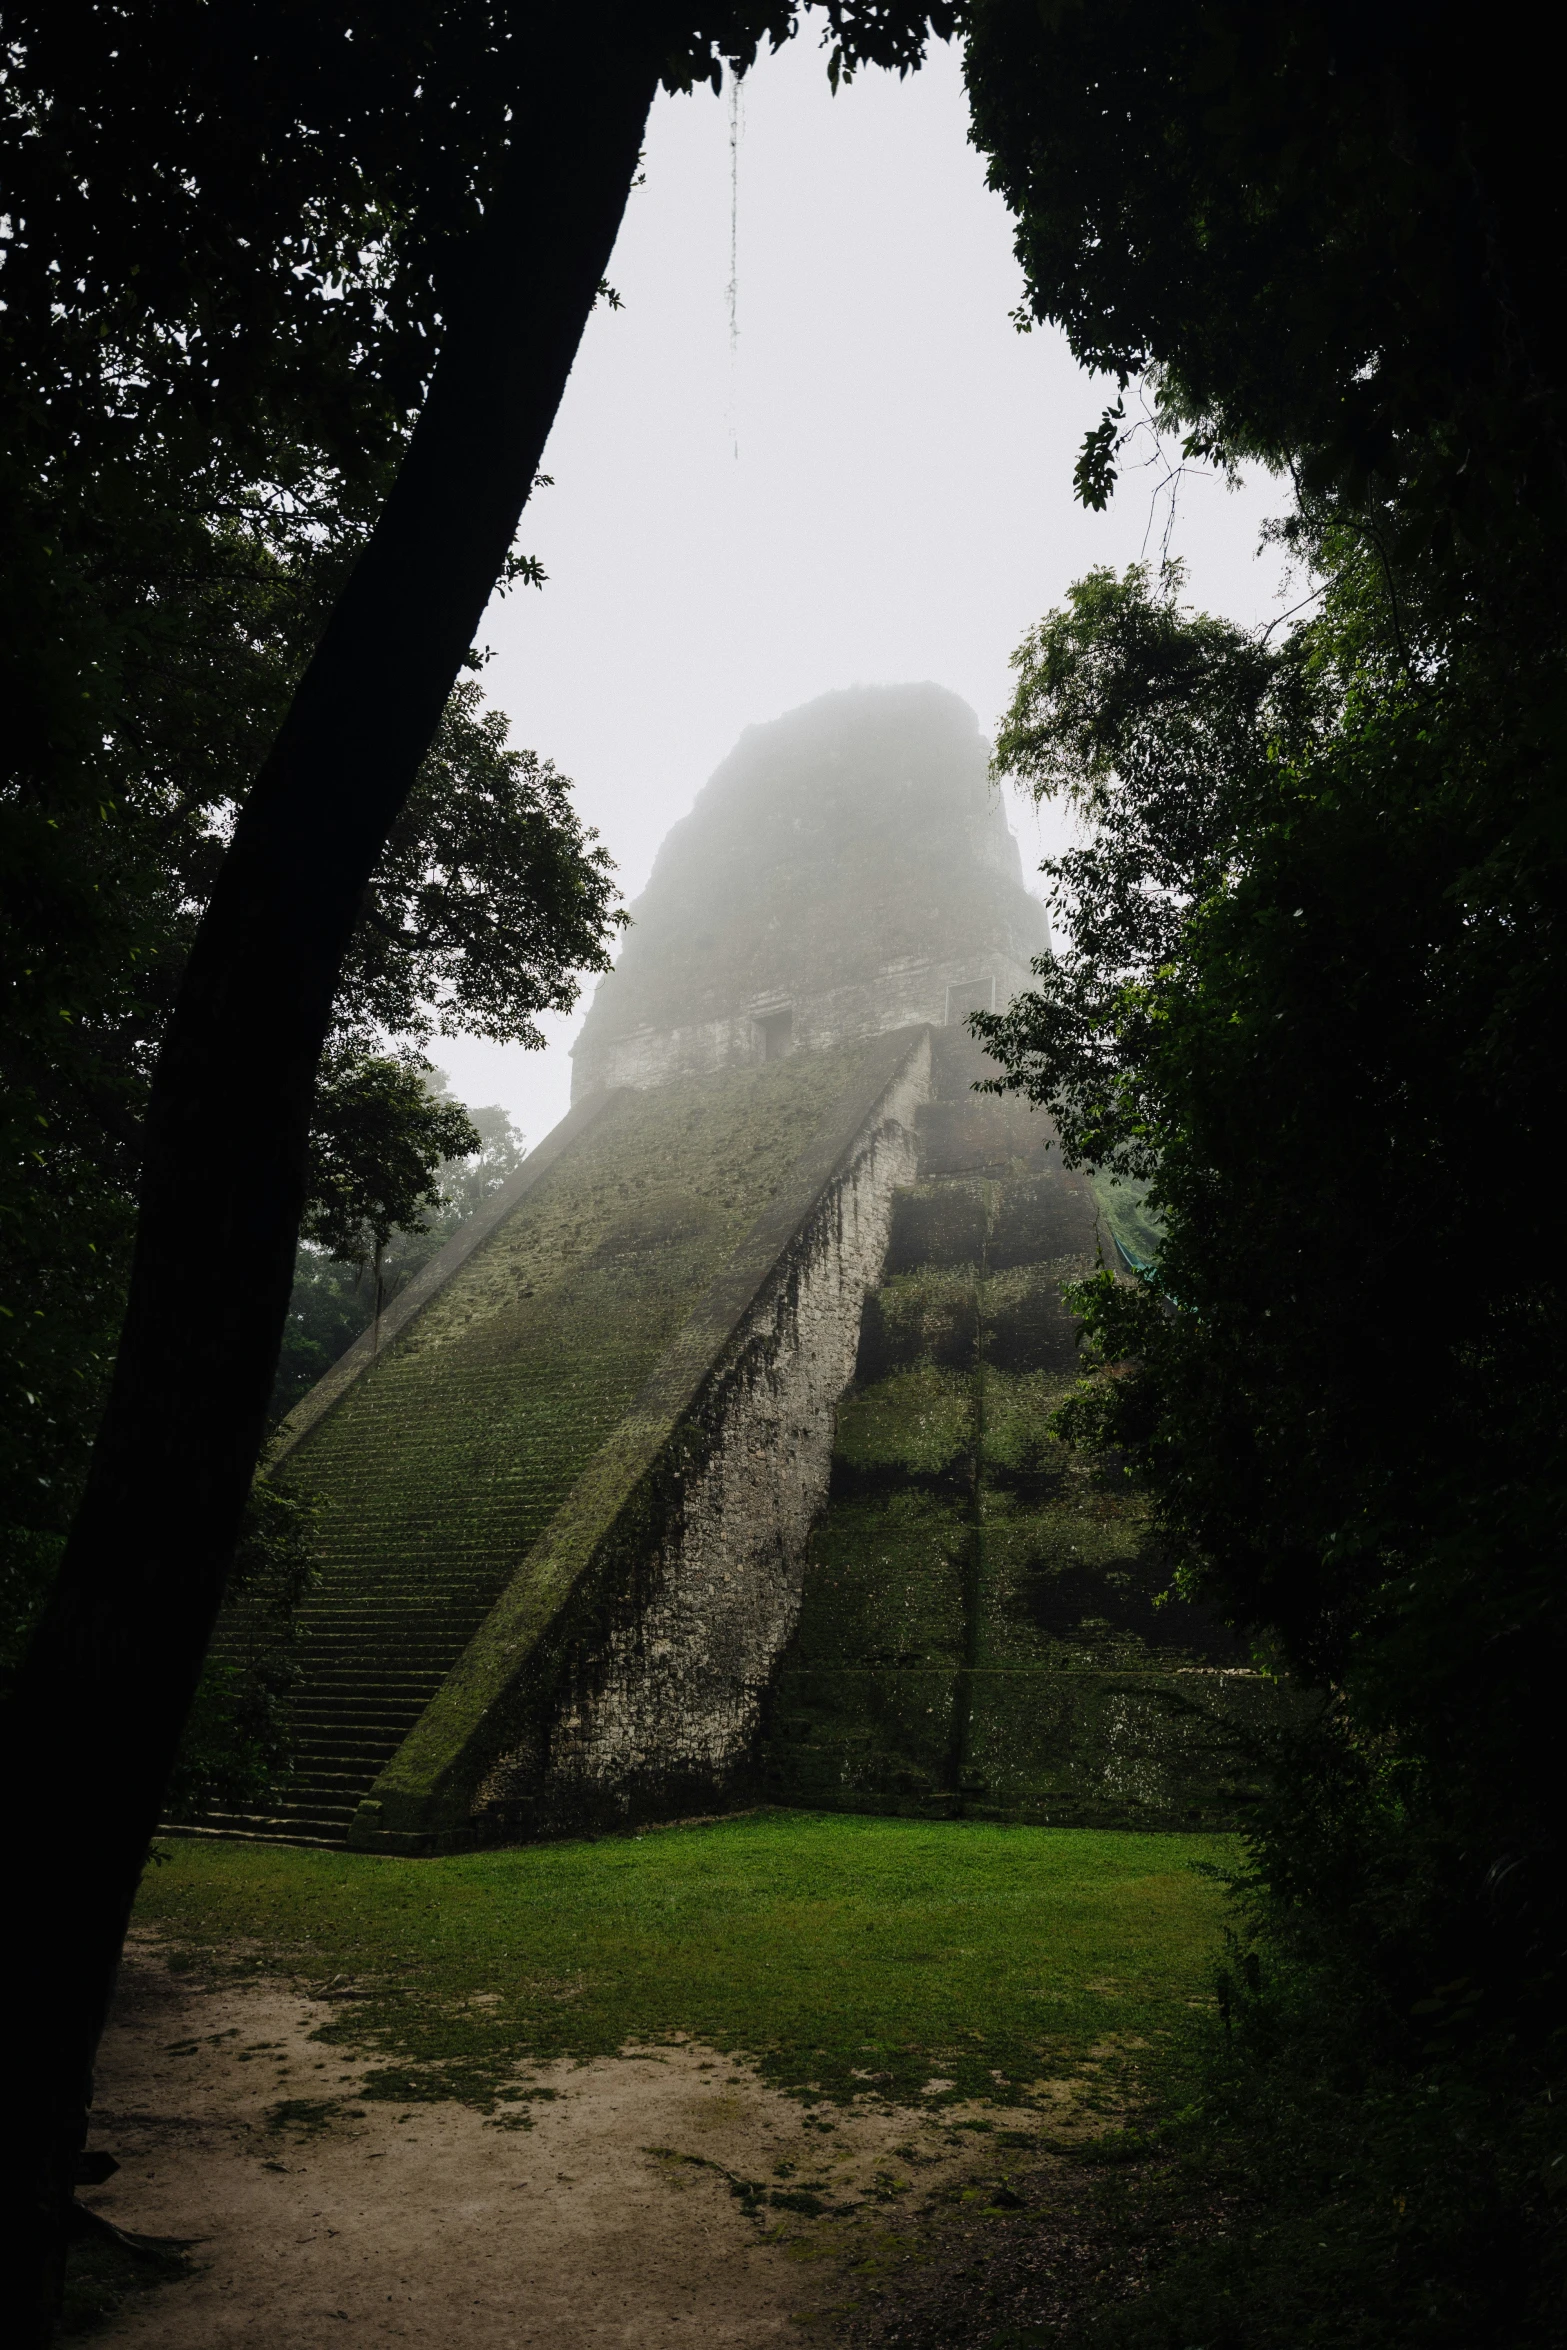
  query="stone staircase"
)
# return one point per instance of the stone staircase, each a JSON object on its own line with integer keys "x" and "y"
{"x": 368, "y": 1674}
{"x": 444, "y": 1462}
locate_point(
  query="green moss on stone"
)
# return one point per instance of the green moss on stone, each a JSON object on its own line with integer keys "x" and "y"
{"x": 920, "y": 1423}
{"x": 928, "y": 1316}
{"x": 985, "y": 1625}
{"x": 887, "y": 1587}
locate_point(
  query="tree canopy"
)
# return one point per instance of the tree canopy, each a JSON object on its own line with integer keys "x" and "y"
{"x": 1309, "y": 990}
{"x": 1329, "y": 234}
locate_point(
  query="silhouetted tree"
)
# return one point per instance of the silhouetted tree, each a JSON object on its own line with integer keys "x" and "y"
{"x": 238, "y": 141}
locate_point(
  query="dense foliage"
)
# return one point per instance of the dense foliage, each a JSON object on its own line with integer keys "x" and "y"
{"x": 219, "y": 311}
{"x": 1311, "y": 991}
{"x": 490, "y": 900}
{"x": 339, "y": 1290}
{"x": 1329, "y": 234}
{"x": 1293, "y": 965}
{"x": 239, "y": 1741}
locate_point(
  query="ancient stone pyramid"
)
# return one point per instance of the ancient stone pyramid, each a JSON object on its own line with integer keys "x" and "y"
{"x": 711, "y": 1459}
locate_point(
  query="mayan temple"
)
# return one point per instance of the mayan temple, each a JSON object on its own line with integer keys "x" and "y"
{"x": 709, "y": 1464}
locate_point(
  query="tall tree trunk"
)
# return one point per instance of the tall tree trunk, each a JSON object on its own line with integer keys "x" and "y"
{"x": 95, "y": 1722}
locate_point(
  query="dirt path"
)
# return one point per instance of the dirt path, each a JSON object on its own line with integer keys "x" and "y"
{"x": 609, "y": 2217}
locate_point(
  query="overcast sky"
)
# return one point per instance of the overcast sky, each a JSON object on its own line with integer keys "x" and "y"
{"x": 870, "y": 481}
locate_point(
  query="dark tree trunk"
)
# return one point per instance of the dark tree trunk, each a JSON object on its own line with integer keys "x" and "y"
{"x": 96, "y": 1720}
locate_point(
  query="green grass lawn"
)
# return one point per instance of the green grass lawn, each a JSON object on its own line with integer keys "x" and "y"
{"x": 839, "y": 1953}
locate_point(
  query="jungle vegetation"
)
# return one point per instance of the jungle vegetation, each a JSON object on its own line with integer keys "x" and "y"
{"x": 1312, "y": 993}
{"x": 343, "y": 1279}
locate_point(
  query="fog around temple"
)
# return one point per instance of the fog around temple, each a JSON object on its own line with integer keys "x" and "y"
{"x": 873, "y": 483}
{"x": 849, "y": 869}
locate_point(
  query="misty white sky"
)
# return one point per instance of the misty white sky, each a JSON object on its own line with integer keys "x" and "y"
{"x": 874, "y": 486}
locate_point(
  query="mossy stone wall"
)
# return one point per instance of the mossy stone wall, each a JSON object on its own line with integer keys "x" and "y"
{"x": 982, "y": 1630}
{"x": 847, "y": 865}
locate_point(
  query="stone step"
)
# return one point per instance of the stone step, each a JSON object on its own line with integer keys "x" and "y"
{"x": 325, "y": 1783}
{"x": 412, "y": 1681}
{"x": 264, "y": 1833}
{"x": 349, "y": 1608}
{"x": 314, "y": 1717}
{"x": 391, "y": 1654}
{"x": 327, "y": 1734}
{"x": 358, "y": 1624}
{"x": 291, "y": 1814}
{"x": 452, "y": 1631}
{"x": 337, "y": 1681}
{"x": 324, "y": 1734}
{"x": 322, "y": 1742}
{"x": 358, "y": 1708}
{"x": 312, "y": 1819}
{"x": 378, "y": 1637}
{"x": 359, "y": 1601}
{"x": 335, "y": 1763}
{"x": 375, "y": 1646}
{"x": 387, "y": 1640}
{"x": 352, "y": 1688}
{"x": 355, "y": 1688}
{"x": 346, "y": 1707}
{"x": 371, "y": 1724}
{"x": 405, "y": 1659}
{"x": 312, "y": 1737}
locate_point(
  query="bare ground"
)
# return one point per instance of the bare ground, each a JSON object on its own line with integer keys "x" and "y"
{"x": 621, "y": 2204}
